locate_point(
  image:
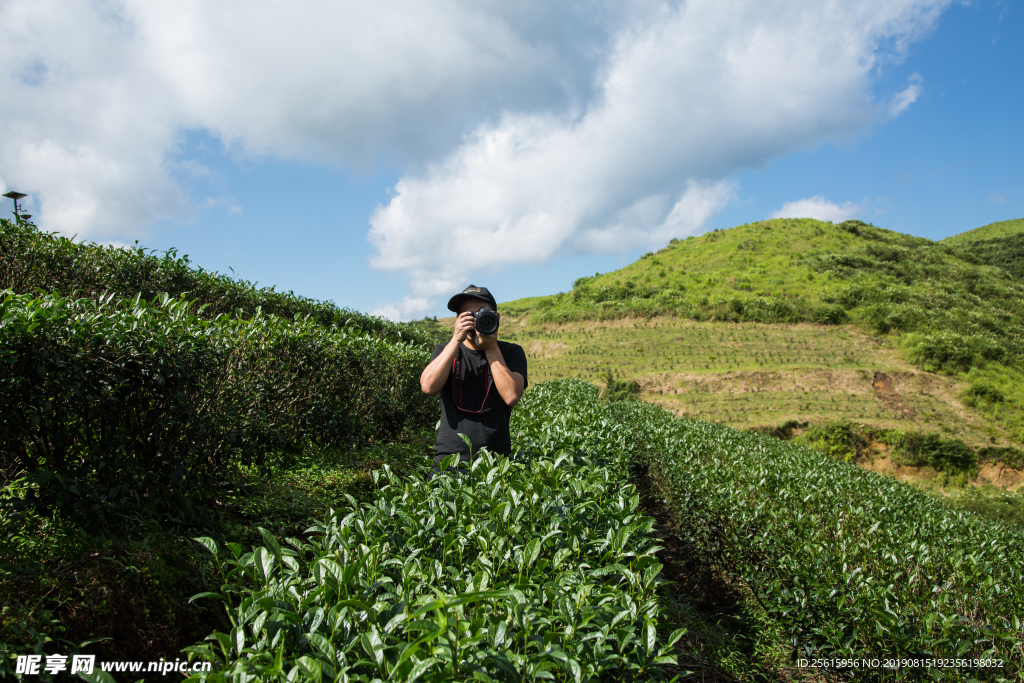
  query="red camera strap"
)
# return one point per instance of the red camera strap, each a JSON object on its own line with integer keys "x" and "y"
{"x": 457, "y": 378}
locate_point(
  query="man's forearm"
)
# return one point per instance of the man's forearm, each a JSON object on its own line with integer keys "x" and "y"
{"x": 436, "y": 373}
{"x": 505, "y": 381}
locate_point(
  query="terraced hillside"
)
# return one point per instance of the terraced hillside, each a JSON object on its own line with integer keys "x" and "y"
{"x": 801, "y": 320}
{"x": 756, "y": 375}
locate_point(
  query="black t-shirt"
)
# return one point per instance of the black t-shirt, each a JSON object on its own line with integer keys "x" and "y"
{"x": 489, "y": 427}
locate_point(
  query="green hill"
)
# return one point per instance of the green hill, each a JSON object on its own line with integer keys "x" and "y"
{"x": 798, "y": 321}
{"x": 952, "y": 314}
{"x": 997, "y": 244}
{"x": 991, "y": 231}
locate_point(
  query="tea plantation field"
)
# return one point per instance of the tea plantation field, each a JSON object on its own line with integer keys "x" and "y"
{"x": 545, "y": 565}
{"x": 193, "y": 467}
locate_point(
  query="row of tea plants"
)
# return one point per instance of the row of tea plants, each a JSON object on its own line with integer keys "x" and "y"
{"x": 850, "y": 564}
{"x": 539, "y": 566}
{"x": 107, "y": 403}
{"x": 32, "y": 260}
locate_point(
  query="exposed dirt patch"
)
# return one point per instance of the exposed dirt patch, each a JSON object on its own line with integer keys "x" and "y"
{"x": 883, "y": 464}
{"x": 886, "y": 393}
{"x": 994, "y": 474}
{"x": 740, "y": 382}
{"x": 1002, "y": 476}
{"x": 541, "y": 348}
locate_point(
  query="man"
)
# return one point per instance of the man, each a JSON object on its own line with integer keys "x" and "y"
{"x": 479, "y": 379}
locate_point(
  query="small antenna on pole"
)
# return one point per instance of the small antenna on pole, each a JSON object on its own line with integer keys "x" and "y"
{"x": 17, "y": 211}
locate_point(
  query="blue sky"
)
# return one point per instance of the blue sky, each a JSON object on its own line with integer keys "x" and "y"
{"x": 569, "y": 145}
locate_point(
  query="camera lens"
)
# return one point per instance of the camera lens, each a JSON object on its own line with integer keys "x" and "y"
{"x": 486, "y": 321}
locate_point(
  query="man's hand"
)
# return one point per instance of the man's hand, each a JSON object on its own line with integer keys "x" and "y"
{"x": 465, "y": 327}
{"x": 486, "y": 343}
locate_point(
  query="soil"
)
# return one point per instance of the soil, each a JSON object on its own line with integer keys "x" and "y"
{"x": 886, "y": 393}
{"x": 545, "y": 349}
{"x": 1000, "y": 475}
{"x": 994, "y": 474}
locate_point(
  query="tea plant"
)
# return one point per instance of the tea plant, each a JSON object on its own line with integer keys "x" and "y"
{"x": 852, "y": 564}
{"x": 32, "y": 260}
{"x": 112, "y": 401}
{"x": 535, "y": 567}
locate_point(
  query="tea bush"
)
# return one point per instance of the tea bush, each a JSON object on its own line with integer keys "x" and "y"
{"x": 109, "y": 402}
{"x": 946, "y": 455}
{"x": 535, "y": 567}
{"x": 31, "y": 260}
{"x": 851, "y": 564}
{"x": 504, "y": 573}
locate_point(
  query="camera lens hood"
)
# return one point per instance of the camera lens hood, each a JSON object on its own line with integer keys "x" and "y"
{"x": 486, "y": 321}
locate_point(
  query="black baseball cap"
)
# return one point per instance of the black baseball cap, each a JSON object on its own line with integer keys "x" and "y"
{"x": 471, "y": 292}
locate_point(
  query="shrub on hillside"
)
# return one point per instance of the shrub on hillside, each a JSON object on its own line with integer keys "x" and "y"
{"x": 1003, "y": 252}
{"x": 830, "y": 314}
{"x": 920, "y": 449}
{"x": 843, "y": 441}
{"x": 1006, "y": 455}
{"x": 114, "y": 401}
{"x": 978, "y": 394}
{"x": 619, "y": 389}
{"x": 953, "y": 351}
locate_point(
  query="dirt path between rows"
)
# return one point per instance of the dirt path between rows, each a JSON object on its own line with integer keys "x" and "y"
{"x": 704, "y": 600}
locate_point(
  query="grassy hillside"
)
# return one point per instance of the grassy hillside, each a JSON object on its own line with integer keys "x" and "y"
{"x": 751, "y": 375}
{"x": 997, "y": 244}
{"x": 991, "y": 231}
{"x": 799, "y": 321}
{"x": 801, "y": 270}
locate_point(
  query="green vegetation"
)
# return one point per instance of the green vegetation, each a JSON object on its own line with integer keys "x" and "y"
{"x": 520, "y": 565}
{"x": 856, "y": 442}
{"x": 31, "y": 260}
{"x": 619, "y": 390}
{"x": 131, "y": 418}
{"x": 956, "y": 314}
{"x": 752, "y": 375}
{"x": 846, "y": 563}
{"x": 519, "y": 569}
{"x": 107, "y": 404}
{"x": 181, "y": 404}
{"x": 942, "y": 308}
{"x": 992, "y": 231}
{"x": 997, "y": 244}
{"x": 130, "y": 589}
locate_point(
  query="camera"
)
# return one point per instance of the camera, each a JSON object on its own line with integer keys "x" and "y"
{"x": 486, "y": 321}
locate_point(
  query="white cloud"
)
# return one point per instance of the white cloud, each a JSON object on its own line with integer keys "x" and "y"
{"x": 537, "y": 128}
{"x": 907, "y": 96}
{"x": 408, "y": 308}
{"x": 709, "y": 87}
{"x": 95, "y": 96}
{"x": 229, "y": 204}
{"x": 820, "y": 208}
